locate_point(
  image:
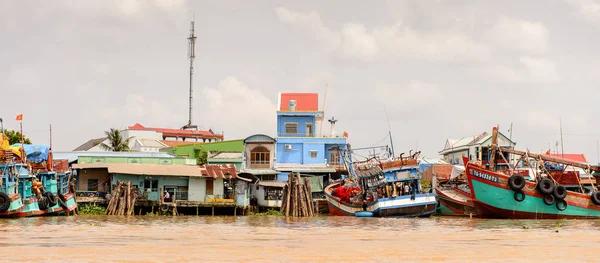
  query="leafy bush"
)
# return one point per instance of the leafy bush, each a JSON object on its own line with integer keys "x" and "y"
{"x": 88, "y": 210}
{"x": 270, "y": 212}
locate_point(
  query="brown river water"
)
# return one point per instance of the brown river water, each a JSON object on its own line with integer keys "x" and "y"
{"x": 275, "y": 239}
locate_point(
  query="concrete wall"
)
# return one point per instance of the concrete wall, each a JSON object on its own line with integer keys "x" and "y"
{"x": 250, "y": 146}
{"x": 84, "y": 175}
{"x": 197, "y": 189}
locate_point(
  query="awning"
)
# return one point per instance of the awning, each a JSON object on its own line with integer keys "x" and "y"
{"x": 144, "y": 169}
{"x": 258, "y": 171}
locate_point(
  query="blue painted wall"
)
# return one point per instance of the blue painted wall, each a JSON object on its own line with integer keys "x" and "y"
{"x": 301, "y": 149}
{"x": 301, "y": 120}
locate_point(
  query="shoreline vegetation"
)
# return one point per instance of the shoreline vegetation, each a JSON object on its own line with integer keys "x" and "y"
{"x": 97, "y": 210}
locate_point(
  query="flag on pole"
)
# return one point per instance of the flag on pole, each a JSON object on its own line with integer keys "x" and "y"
{"x": 548, "y": 152}
{"x": 20, "y": 117}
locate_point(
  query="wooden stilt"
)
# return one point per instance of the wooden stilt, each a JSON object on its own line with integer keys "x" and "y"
{"x": 213, "y": 211}
{"x": 196, "y": 210}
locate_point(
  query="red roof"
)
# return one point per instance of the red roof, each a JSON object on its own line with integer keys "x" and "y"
{"x": 576, "y": 157}
{"x": 304, "y": 101}
{"x": 226, "y": 171}
{"x": 167, "y": 132}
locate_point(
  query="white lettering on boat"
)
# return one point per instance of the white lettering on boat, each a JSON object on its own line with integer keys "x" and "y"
{"x": 488, "y": 177}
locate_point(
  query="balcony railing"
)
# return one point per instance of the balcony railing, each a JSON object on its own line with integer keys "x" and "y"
{"x": 308, "y": 135}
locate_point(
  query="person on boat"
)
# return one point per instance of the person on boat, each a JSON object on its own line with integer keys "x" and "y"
{"x": 406, "y": 189}
{"x": 413, "y": 191}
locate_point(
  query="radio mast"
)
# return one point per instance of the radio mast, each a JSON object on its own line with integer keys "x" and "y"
{"x": 191, "y": 56}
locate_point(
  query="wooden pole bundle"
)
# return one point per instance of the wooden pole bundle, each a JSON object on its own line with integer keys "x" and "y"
{"x": 123, "y": 200}
{"x": 297, "y": 198}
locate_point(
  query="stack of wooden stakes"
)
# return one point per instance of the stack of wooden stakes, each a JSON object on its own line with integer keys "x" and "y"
{"x": 297, "y": 198}
{"x": 122, "y": 201}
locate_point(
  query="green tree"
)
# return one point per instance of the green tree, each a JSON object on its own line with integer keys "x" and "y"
{"x": 15, "y": 137}
{"x": 116, "y": 143}
{"x": 203, "y": 158}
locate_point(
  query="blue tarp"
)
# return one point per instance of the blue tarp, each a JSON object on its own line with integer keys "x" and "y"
{"x": 36, "y": 153}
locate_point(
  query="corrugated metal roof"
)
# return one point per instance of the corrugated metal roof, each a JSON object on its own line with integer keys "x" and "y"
{"x": 151, "y": 143}
{"x": 144, "y": 169}
{"x": 226, "y": 171}
{"x": 294, "y": 167}
{"x": 90, "y": 144}
{"x": 272, "y": 184}
{"x": 177, "y": 132}
{"x": 258, "y": 171}
{"x": 73, "y": 156}
{"x": 224, "y": 155}
{"x": 259, "y": 138}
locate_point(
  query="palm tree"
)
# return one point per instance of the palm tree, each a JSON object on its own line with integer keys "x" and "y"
{"x": 116, "y": 143}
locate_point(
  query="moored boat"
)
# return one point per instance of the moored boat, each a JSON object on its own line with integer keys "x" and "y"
{"x": 454, "y": 195}
{"x": 509, "y": 194}
{"x": 377, "y": 189}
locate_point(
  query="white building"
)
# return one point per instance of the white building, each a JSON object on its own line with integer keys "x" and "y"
{"x": 475, "y": 147}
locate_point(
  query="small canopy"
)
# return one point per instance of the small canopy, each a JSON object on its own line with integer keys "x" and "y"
{"x": 456, "y": 171}
{"x": 36, "y": 153}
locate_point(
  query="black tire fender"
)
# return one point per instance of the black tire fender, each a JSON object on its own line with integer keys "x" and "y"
{"x": 549, "y": 199}
{"x": 516, "y": 182}
{"x": 4, "y": 202}
{"x": 561, "y": 205}
{"x": 51, "y": 199}
{"x": 545, "y": 186}
{"x": 560, "y": 192}
{"x": 519, "y": 196}
{"x": 595, "y": 197}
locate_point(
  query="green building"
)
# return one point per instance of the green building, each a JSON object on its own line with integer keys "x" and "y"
{"x": 224, "y": 152}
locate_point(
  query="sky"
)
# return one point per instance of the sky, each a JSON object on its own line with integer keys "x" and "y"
{"x": 427, "y": 70}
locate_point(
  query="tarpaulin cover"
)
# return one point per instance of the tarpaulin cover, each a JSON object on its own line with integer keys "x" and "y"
{"x": 456, "y": 171}
{"x": 36, "y": 153}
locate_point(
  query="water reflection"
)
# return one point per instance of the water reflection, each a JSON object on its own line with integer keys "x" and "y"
{"x": 276, "y": 239}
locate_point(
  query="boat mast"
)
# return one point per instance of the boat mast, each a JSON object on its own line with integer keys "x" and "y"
{"x": 562, "y": 149}
{"x": 390, "y": 132}
{"x": 494, "y": 147}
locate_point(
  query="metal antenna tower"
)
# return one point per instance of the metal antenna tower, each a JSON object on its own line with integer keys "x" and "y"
{"x": 191, "y": 56}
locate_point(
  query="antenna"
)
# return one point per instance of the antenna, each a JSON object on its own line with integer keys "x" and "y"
{"x": 324, "y": 102}
{"x": 191, "y": 56}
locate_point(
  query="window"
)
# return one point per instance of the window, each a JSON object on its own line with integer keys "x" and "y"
{"x": 334, "y": 157}
{"x": 313, "y": 154}
{"x": 309, "y": 130}
{"x": 260, "y": 156}
{"x": 92, "y": 185}
{"x": 151, "y": 185}
{"x": 291, "y": 127}
{"x": 209, "y": 186}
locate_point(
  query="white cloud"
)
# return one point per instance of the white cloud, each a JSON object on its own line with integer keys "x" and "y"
{"x": 236, "y": 109}
{"x": 356, "y": 41}
{"x": 589, "y": 9}
{"x": 523, "y": 36}
{"x": 529, "y": 70}
{"x": 416, "y": 95}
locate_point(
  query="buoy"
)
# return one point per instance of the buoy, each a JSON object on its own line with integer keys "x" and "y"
{"x": 363, "y": 214}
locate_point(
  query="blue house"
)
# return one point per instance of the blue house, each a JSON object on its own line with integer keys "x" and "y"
{"x": 299, "y": 147}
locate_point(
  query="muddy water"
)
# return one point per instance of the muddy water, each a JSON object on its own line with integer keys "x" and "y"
{"x": 274, "y": 239}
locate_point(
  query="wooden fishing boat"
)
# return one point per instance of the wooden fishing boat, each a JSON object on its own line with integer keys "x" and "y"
{"x": 508, "y": 194}
{"x": 23, "y": 193}
{"x": 378, "y": 182}
{"x": 454, "y": 195}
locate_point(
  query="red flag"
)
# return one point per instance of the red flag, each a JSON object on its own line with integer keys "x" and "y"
{"x": 20, "y": 117}
{"x": 548, "y": 152}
